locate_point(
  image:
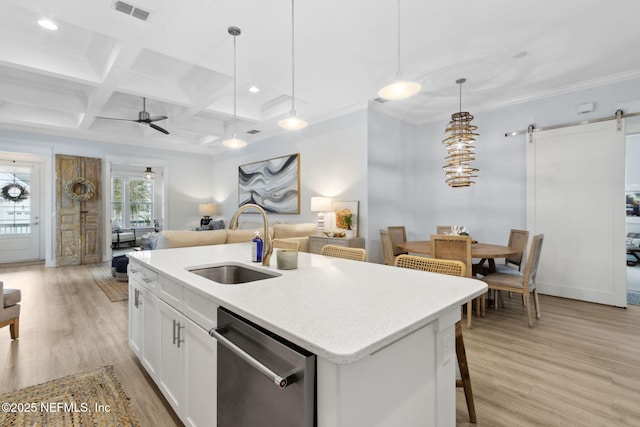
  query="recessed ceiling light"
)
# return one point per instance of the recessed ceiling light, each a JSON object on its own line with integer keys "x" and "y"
{"x": 520, "y": 54}
{"x": 254, "y": 89}
{"x": 49, "y": 25}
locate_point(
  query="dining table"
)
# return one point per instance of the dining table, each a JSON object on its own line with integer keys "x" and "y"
{"x": 485, "y": 251}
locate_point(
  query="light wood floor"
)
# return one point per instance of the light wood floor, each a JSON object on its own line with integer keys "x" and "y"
{"x": 68, "y": 325}
{"x": 579, "y": 364}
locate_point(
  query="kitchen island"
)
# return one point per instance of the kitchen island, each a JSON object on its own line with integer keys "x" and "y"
{"x": 383, "y": 336}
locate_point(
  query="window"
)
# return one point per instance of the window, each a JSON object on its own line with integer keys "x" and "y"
{"x": 132, "y": 202}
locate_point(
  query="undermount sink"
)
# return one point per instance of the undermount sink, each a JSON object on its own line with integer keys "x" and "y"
{"x": 233, "y": 274}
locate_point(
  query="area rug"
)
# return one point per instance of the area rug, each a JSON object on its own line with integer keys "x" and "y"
{"x": 92, "y": 398}
{"x": 633, "y": 298}
{"x": 115, "y": 290}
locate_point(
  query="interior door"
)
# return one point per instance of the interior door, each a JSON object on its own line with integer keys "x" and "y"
{"x": 19, "y": 211}
{"x": 79, "y": 228}
{"x": 575, "y": 197}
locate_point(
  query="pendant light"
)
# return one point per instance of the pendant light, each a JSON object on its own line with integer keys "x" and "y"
{"x": 149, "y": 174}
{"x": 459, "y": 139}
{"x": 234, "y": 141}
{"x": 293, "y": 122}
{"x": 399, "y": 89}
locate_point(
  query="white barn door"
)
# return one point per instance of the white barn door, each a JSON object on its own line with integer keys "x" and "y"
{"x": 575, "y": 197}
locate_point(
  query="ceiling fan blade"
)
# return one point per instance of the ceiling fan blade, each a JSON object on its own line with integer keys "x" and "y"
{"x": 113, "y": 118}
{"x": 158, "y": 128}
{"x": 156, "y": 118}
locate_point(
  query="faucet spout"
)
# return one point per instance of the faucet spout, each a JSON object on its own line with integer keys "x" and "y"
{"x": 267, "y": 248}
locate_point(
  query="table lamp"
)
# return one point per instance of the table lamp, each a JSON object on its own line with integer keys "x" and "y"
{"x": 320, "y": 205}
{"x": 206, "y": 210}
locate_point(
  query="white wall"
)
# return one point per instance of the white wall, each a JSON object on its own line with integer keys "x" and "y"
{"x": 411, "y": 162}
{"x": 188, "y": 177}
{"x": 333, "y": 163}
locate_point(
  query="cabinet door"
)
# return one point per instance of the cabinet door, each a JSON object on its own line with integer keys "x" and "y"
{"x": 136, "y": 318}
{"x": 200, "y": 373}
{"x": 170, "y": 374}
{"x": 150, "y": 333}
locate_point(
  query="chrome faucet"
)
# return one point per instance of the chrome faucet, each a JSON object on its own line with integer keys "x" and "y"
{"x": 267, "y": 248}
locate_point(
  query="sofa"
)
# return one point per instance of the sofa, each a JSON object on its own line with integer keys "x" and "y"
{"x": 185, "y": 238}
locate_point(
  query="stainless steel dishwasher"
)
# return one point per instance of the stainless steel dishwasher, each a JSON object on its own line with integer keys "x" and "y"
{"x": 263, "y": 379}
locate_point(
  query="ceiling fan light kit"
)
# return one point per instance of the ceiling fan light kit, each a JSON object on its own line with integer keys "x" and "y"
{"x": 234, "y": 141}
{"x": 293, "y": 122}
{"x": 399, "y": 88}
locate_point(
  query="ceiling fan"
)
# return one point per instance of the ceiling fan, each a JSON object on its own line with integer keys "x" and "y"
{"x": 143, "y": 118}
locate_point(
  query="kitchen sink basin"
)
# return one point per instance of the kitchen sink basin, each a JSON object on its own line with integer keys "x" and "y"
{"x": 233, "y": 274}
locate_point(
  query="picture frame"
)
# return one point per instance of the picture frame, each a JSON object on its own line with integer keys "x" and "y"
{"x": 272, "y": 184}
{"x": 341, "y": 208}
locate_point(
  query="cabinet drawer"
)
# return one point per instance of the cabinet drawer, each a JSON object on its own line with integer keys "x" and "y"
{"x": 142, "y": 275}
{"x": 170, "y": 292}
{"x": 200, "y": 309}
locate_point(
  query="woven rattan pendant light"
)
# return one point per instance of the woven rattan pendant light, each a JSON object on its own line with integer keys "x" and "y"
{"x": 459, "y": 138}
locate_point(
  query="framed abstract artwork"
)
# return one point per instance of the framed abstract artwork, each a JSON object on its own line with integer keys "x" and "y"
{"x": 272, "y": 184}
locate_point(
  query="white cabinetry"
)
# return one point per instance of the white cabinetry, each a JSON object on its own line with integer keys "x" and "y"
{"x": 177, "y": 351}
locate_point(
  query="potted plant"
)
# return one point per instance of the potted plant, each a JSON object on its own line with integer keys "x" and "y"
{"x": 348, "y": 222}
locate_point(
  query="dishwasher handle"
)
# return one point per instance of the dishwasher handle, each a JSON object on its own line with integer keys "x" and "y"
{"x": 280, "y": 381}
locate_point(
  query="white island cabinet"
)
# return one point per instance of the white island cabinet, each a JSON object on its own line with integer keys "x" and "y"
{"x": 383, "y": 336}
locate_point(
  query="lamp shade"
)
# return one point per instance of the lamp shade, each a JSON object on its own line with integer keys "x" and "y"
{"x": 206, "y": 209}
{"x": 320, "y": 204}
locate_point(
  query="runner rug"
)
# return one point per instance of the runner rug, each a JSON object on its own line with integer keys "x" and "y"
{"x": 92, "y": 398}
{"x": 115, "y": 290}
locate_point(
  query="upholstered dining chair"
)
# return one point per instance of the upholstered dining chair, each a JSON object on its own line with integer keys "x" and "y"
{"x": 398, "y": 234}
{"x": 517, "y": 239}
{"x": 286, "y": 244}
{"x": 356, "y": 254}
{"x": 519, "y": 282}
{"x": 457, "y": 248}
{"x": 387, "y": 248}
{"x": 452, "y": 268}
{"x": 10, "y": 310}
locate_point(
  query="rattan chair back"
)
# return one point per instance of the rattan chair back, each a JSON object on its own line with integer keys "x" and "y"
{"x": 286, "y": 244}
{"x": 457, "y": 248}
{"x": 356, "y": 254}
{"x": 442, "y": 266}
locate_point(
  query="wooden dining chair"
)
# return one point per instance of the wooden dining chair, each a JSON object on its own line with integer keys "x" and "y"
{"x": 286, "y": 244}
{"x": 443, "y": 229}
{"x": 517, "y": 239}
{"x": 387, "y": 248}
{"x": 398, "y": 234}
{"x": 356, "y": 254}
{"x": 452, "y": 268}
{"x": 519, "y": 282}
{"x": 457, "y": 248}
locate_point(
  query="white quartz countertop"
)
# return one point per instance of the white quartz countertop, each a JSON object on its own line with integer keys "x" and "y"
{"x": 338, "y": 309}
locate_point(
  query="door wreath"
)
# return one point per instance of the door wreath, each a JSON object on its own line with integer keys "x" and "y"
{"x": 89, "y": 189}
{"x": 9, "y": 192}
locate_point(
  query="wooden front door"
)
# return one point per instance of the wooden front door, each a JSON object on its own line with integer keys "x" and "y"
{"x": 79, "y": 222}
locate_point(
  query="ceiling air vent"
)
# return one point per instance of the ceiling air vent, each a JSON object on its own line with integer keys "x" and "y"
{"x": 253, "y": 131}
{"x": 131, "y": 10}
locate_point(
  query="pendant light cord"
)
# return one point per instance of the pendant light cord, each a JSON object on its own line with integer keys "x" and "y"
{"x": 235, "y": 88}
{"x": 293, "y": 62}
{"x": 398, "y": 74}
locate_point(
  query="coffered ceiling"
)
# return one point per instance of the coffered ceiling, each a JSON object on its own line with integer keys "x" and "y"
{"x": 102, "y": 62}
